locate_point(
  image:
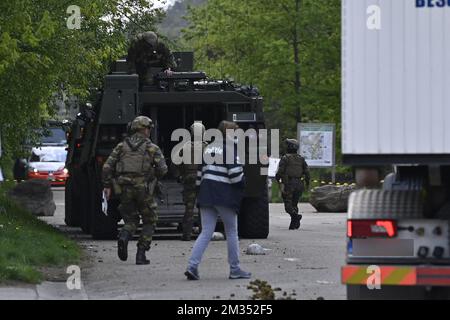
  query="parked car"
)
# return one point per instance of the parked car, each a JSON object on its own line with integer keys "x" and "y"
{"x": 48, "y": 163}
{"x": 53, "y": 134}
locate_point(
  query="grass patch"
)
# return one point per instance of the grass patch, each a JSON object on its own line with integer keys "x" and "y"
{"x": 27, "y": 244}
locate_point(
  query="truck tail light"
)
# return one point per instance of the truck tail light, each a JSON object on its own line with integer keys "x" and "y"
{"x": 371, "y": 229}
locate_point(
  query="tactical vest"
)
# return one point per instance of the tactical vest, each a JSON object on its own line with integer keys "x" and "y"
{"x": 294, "y": 166}
{"x": 136, "y": 160}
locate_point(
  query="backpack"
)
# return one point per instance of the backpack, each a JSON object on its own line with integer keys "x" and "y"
{"x": 295, "y": 165}
{"x": 135, "y": 159}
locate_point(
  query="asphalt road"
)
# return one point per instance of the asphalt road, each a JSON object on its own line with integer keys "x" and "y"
{"x": 305, "y": 264}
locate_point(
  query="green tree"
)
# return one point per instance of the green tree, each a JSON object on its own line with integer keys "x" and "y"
{"x": 40, "y": 56}
{"x": 289, "y": 49}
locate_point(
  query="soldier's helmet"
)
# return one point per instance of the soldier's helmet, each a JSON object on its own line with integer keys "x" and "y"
{"x": 292, "y": 144}
{"x": 141, "y": 123}
{"x": 150, "y": 37}
{"x": 197, "y": 126}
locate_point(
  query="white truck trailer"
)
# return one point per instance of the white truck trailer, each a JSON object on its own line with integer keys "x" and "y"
{"x": 396, "y": 111}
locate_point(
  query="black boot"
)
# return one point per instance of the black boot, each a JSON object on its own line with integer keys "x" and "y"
{"x": 122, "y": 245}
{"x": 187, "y": 232}
{"x": 140, "y": 257}
{"x": 292, "y": 224}
{"x": 295, "y": 221}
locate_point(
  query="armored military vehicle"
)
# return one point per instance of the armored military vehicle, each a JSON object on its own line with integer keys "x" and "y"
{"x": 172, "y": 101}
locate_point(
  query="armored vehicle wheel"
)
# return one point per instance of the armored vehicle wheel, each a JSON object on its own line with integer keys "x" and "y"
{"x": 254, "y": 218}
{"x": 102, "y": 227}
{"x": 72, "y": 209}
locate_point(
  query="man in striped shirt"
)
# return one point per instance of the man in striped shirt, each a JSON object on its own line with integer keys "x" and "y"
{"x": 221, "y": 188}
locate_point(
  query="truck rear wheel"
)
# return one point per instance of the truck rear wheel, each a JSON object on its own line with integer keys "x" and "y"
{"x": 72, "y": 210}
{"x": 254, "y": 218}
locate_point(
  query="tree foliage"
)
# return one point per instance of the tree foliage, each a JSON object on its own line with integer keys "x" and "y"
{"x": 41, "y": 57}
{"x": 289, "y": 49}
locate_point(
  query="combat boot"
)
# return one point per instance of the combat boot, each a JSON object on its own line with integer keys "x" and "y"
{"x": 140, "y": 257}
{"x": 122, "y": 245}
{"x": 295, "y": 221}
{"x": 187, "y": 232}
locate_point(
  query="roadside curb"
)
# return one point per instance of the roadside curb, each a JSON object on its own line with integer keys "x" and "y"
{"x": 44, "y": 291}
{"x": 18, "y": 293}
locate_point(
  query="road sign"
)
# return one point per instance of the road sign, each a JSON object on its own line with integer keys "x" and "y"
{"x": 317, "y": 144}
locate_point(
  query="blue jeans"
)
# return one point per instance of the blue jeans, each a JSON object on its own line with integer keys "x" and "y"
{"x": 209, "y": 217}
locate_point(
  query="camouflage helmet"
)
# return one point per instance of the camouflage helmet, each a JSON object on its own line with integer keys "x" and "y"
{"x": 150, "y": 37}
{"x": 292, "y": 144}
{"x": 196, "y": 126}
{"x": 141, "y": 123}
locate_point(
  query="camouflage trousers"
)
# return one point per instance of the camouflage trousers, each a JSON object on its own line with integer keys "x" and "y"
{"x": 189, "y": 198}
{"x": 137, "y": 203}
{"x": 292, "y": 193}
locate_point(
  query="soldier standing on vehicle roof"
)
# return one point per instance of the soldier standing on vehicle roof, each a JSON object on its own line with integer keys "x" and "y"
{"x": 135, "y": 164}
{"x": 292, "y": 170}
{"x": 146, "y": 52}
{"x": 187, "y": 175}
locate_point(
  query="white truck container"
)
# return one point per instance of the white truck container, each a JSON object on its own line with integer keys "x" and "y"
{"x": 396, "y": 80}
{"x": 396, "y": 111}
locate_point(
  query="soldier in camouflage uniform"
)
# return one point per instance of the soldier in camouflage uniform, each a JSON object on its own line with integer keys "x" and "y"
{"x": 187, "y": 175}
{"x": 292, "y": 171}
{"x": 147, "y": 52}
{"x": 134, "y": 167}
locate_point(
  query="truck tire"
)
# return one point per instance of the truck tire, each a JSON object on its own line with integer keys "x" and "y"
{"x": 72, "y": 210}
{"x": 254, "y": 218}
{"x": 102, "y": 227}
{"x": 359, "y": 292}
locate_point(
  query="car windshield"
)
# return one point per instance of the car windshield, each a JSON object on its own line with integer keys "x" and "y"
{"x": 56, "y": 155}
{"x": 55, "y": 136}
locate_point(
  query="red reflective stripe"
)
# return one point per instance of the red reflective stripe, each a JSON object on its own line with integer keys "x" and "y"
{"x": 410, "y": 279}
{"x": 386, "y": 272}
{"x": 424, "y": 276}
{"x": 348, "y": 272}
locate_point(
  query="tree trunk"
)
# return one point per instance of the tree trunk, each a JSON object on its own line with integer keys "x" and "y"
{"x": 296, "y": 45}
